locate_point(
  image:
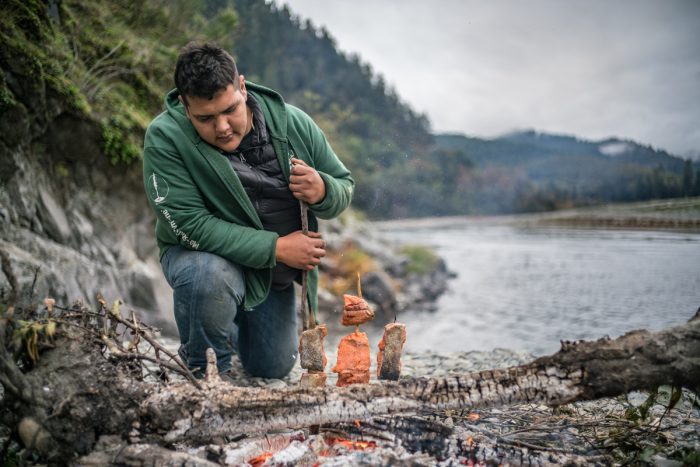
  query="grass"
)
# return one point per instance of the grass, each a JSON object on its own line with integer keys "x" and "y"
{"x": 422, "y": 260}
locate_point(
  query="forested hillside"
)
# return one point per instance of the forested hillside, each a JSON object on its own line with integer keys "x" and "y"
{"x": 530, "y": 171}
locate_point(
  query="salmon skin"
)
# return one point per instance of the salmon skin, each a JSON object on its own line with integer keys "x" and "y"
{"x": 390, "y": 347}
{"x": 353, "y": 361}
{"x": 356, "y": 311}
{"x": 312, "y": 355}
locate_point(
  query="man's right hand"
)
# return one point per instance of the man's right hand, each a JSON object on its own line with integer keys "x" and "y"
{"x": 301, "y": 251}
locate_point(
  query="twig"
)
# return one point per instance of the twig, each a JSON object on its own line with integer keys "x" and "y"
{"x": 117, "y": 351}
{"x": 31, "y": 289}
{"x": 57, "y": 411}
{"x": 181, "y": 368}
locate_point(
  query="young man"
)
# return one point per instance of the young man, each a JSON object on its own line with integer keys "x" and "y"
{"x": 224, "y": 169}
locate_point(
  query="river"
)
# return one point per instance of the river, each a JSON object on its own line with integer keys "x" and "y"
{"x": 527, "y": 288}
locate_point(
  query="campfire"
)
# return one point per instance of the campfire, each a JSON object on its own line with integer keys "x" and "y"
{"x": 397, "y": 440}
{"x": 381, "y": 441}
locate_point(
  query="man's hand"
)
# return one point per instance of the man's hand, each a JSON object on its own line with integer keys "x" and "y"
{"x": 305, "y": 182}
{"x": 301, "y": 251}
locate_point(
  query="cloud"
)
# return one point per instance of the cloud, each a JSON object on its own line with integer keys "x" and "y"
{"x": 591, "y": 68}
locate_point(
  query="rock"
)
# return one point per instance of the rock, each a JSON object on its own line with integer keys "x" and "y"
{"x": 97, "y": 236}
{"x": 661, "y": 461}
{"x": 8, "y": 166}
{"x": 141, "y": 291}
{"x": 35, "y": 437}
{"x": 387, "y": 284}
{"x": 273, "y": 383}
{"x": 14, "y": 122}
{"x": 378, "y": 287}
{"x": 53, "y": 217}
{"x": 313, "y": 379}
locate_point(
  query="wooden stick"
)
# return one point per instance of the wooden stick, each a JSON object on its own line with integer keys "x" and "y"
{"x": 307, "y": 317}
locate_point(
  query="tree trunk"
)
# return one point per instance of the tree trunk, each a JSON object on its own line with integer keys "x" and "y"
{"x": 75, "y": 394}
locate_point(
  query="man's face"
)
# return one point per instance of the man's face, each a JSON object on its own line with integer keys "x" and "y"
{"x": 221, "y": 121}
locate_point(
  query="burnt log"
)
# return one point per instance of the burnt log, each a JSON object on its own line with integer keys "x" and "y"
{"x": 74, "y": 394}
{"x": 579, "y": 371}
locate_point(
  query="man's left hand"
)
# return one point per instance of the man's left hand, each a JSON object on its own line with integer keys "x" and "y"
{"x": 305, "y": 182}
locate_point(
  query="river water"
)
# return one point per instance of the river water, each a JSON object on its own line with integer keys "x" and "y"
{"x": 526, "y": 288}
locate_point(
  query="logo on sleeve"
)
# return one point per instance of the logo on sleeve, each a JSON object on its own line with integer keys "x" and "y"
{"x": 157, "y": 188}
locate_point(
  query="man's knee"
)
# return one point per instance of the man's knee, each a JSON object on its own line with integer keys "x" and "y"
{"x": 222, "y": 277}
{"x": 205, "y": 274}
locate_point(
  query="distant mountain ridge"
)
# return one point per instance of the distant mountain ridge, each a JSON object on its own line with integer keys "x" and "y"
{"x": 521, "y": 147}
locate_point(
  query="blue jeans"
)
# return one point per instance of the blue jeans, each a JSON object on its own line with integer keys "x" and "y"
{"x": 208, "y": 293}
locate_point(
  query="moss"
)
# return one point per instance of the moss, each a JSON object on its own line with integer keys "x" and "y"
{"x": 118, "y": 141}
{"x": 7, "y": 98}
{"x": 62, "y": 170}
{"x": 421, "y": 259}
{"x": 691, "y": 458}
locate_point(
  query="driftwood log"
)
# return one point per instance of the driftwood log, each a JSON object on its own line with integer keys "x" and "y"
{"x": 74, "y": 394}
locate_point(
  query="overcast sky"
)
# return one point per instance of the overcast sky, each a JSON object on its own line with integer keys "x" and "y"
{"x": 592, "y": 68}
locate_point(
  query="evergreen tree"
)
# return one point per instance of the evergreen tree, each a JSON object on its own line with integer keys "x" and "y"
{"x": 687, "y": 188}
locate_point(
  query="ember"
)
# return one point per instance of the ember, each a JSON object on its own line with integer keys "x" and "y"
{"x": 350, "y": 444}
{"x": 473, "y": 416}
{"x": 260, "y": 460}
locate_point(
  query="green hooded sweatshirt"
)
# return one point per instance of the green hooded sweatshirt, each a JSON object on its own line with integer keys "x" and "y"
{"x": 201, "y": 205}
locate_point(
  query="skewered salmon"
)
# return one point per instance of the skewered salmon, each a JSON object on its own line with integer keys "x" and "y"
{"x": 390, "y": 347}
{"x": 356, "y": 311}
{"x": 353, "y": 361}
{"x": 312, "y": 356}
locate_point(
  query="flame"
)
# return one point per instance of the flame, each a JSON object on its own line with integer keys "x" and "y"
{"x": 260, "y": 460}
{"x": 357, "y": 424}
{"x": 470, "y": 441}
{"x": 473, "y": 416}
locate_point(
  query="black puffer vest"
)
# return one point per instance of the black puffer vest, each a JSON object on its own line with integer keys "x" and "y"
{"x": 258, "y": 168}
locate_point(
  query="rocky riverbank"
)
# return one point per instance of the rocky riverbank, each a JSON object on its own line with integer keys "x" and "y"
{"x": 394, "y": 278}
{"x": 681, "y": 214}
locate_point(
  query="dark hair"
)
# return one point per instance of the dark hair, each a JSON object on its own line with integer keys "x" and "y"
{"x": 204, "y": 69}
